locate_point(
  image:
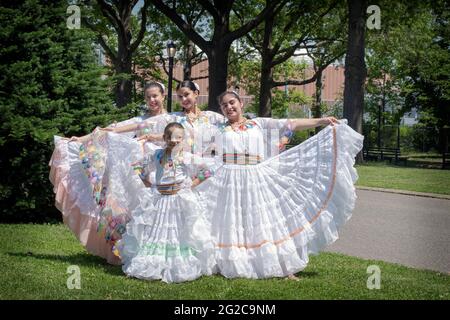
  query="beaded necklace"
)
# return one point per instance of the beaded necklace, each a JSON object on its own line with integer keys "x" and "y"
{"x": 192, "y": 118}
{"x": 241, "y": 126}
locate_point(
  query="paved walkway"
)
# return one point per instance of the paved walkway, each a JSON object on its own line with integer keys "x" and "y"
{"x": 412, "y": 230}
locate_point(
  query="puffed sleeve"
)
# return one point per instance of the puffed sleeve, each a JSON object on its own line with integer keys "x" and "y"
{"x": 270, "y": 123}
{"x": 277, "y": 133}
{"x": 154, "y": 125}
{"x": 131, "y": 134}
{"x": 214, "y": 117}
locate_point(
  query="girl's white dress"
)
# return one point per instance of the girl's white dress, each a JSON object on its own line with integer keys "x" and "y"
{"x": 267, "y": 216}
{"x": 168, "y": 236}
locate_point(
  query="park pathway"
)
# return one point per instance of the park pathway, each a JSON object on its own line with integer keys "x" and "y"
{"x": 409, "y": 230}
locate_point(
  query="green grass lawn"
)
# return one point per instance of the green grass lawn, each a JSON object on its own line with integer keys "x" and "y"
{"x": 34, "y": 261}
{"x": 380, "y": 175}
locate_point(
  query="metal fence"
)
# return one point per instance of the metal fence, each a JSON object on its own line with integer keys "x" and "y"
{"x": 407, "y": 138}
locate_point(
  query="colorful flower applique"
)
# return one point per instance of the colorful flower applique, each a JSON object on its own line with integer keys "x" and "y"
{"x": 204, "y": 174}
{"x": 200, "y": 120}
{"x": 139, "y": 167}
{"x": 91, "y": 158}
{"x": 169, "y": 163}
{"x": 143, "y": 128}
{"x": 286, "y": 137}
{"x": 224, "y": 127}
{"x": 243, "y": 127}
{"x": 247, "y": 125}
{"x": 203, "y": 119}
{"x": 112, "y": 225}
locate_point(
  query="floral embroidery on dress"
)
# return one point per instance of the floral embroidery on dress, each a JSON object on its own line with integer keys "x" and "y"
{"x": 143, "y": 128}
{"x": 112, "y": 225}
{"x": 203, "y": 174}
{"x": 139, "y": 167}
{"x": 91, "y": 158}
{"x": 169, "y": 163}
{"x": 249, "y": 124}
{"x": 202, "y": 119}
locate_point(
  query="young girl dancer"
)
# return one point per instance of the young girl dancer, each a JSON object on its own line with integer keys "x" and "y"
{"x": 167, "y": 237}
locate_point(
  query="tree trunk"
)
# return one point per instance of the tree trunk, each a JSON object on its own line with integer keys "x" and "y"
{"x": 187, "y": 70}
{"x": 124, "y": 85}
{"x": 119, "y": 14}
{"x": 265, "y": 86}
{"x": 265, "y": 95}
{"x": 317, "y": 109}
{"x": 218, "y": 71}
{"x": 355, "y": 67}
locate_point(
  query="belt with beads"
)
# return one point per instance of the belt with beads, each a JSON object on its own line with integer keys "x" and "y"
{"x": 241, "y": 158}
{"x": 168, "y": 189}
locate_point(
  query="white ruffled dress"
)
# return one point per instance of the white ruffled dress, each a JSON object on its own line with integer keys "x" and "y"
{"x": 267, "y": 216}
{"x": 82, "y": 175}
{"x": 168, "y": 236}
{"x": 89, "y": 188}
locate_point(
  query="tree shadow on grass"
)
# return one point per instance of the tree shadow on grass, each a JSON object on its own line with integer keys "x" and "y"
{"x": 88, "y": 260}
{"x": 80, "y": 259}
{"x": 307, "y": 274}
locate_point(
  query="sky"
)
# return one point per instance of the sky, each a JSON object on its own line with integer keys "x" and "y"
{"x": 138, "y": 7}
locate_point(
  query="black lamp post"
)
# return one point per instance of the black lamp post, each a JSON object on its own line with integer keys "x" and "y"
{"x": 171, "y": 49}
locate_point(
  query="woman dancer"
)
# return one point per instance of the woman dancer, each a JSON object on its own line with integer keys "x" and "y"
{"x": 268, "y": 215}
{"x": 83, "y": 183}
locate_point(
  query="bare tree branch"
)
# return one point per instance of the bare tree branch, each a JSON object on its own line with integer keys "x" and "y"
{"x": 197, "y": 18}
{"x": 313, "y": 78}
{"x": 254, "y": 43}
{"x": 143, "y": 28}
{"x": 199, "y": 77}
{"x": 289, "y": 51}
{"x": 112, "y": 16}
{"x": 198, "y": 59}
{"x": 208, "y": 6}
{"x": 308, "y": 52}
{"x": 109, "y": 52}
{"x": 248, "y": 35}
{"x": 242, "y": 56}
{"x": 243, "y": 30}
{"x": 294, "y": 82}
{"x": 185, "y": 27}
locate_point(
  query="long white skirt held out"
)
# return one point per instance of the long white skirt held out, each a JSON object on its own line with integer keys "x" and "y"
{"x": 267, "y": 218}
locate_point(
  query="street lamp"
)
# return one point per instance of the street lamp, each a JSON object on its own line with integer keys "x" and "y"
{"x": 171, "y": 50}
